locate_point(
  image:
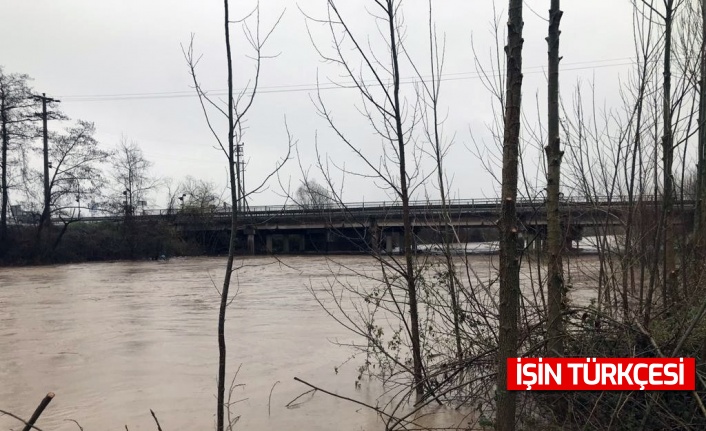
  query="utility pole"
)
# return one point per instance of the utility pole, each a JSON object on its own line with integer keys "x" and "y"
{"x": 240, "y": 171}
{"x": 45, "y": 99}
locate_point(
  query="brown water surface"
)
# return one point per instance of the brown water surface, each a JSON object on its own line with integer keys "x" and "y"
{"x": 114, "y": 340}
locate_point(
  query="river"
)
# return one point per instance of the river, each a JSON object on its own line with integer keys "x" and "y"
{"x": 114, "y": 340}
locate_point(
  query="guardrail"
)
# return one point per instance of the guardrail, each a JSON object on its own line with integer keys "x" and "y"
{"x": 377, "y": 208}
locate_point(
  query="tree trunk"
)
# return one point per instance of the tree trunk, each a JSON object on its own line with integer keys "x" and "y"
{"x": 700, "y": 216}
{"x": 46, "y": 213}
{"x": 220, "y": 414}
{"x": 445, "y": 225}
{"x": 555, "y": 240}
{"x": 509, "y": 256}
{"x": 670, "y": 279}
{"x": 410, "y": 275}
{"x": 3, "y": 167}
{"x": 629, "y": 256}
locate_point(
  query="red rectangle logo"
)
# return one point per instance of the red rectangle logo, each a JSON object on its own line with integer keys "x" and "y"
{"x": 601, "y": 374}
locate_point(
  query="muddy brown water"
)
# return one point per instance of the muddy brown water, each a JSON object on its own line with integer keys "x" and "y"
{"x": 114, "y": 340}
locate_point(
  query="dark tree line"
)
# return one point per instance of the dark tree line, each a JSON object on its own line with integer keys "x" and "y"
{"x": 79, "y": 177}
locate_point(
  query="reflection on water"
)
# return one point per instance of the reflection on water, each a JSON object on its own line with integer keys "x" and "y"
{"x": 114, "y": 340}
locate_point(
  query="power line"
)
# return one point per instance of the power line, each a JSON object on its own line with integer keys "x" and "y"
{"x": 292, "y": 88}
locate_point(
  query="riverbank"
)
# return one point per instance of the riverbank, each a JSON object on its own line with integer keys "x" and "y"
{"x": 96, "y": 242}
{"x": 111, "y": 241}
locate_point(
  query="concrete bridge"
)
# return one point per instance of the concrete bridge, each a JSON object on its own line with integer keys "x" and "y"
{"x": 360, "y": 227}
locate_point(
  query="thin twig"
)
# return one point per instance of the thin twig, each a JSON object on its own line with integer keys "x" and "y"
{"x": 360, "y": 403}
{"x": 19, "y": 419}
{"x": 159, "y": 428}
{"x": 269, "y": 399}
{"x": 290, "y": 404}
{"x": 76, "y": 422}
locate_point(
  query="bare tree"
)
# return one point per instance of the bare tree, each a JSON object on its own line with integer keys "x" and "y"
{"x": 198, "y": 196}
{"x": 509, "y": 232}
{"x": 555, "y": 240}
{"x": 700, "y": 219}
{"x": 235, "y": 112}
{"x": 378, "y": 82}
{"x": 233, "y": 180}
{"x": 619, "y": 156}
{"x": 16, "y": 106}
{"x": 174, "y": 196}
{"x": 433, "y": 131}
{"x": 313, "y": 196}
{"x": 76, "y": 173}
{"x": 669, "y": 268}
{"x": 131, "y": 173}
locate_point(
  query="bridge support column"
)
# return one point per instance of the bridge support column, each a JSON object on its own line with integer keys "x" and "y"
{"x": 268, "y": 244}
{"x": 251, "y": 243}
{"x": 302, "y": 242}
{"x": 389, "y": 244}
{"x": 285, "y": 244}
{"x": 250, "y": 232}
{"x": 538, "y": 244}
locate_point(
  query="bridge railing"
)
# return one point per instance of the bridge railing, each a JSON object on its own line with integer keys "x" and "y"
{"x": 374, "y": 207}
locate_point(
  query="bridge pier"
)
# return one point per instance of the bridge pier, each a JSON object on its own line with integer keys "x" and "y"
{"x": 251, "y": 240}
{"x": 537, "y": 244}
{"x": 539, "y": 238}
{"x": 268, "y": 244}
{"x": 285, "y": 244}
{"x": 251, "y": 243}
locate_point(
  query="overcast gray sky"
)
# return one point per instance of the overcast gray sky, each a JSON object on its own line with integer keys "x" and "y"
{"x": 120, "y": 65}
